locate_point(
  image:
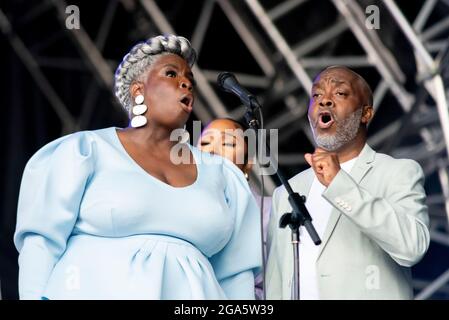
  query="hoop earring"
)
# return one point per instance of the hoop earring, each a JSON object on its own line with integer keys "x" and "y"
{"x": 138, "y": 110}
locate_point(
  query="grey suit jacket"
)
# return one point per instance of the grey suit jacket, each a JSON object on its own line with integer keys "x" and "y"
{"x": 378, "y": 228}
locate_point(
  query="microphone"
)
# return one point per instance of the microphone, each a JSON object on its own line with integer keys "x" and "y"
{"x": 227, "y": 82}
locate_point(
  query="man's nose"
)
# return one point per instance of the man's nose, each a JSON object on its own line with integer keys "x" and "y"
{"x": 326, "y": 102}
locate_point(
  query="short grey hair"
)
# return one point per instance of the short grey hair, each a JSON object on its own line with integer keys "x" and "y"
{"x": 139, "y": 59}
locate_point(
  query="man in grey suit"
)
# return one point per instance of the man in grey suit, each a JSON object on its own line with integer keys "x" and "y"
{"x": 368, "y": 208}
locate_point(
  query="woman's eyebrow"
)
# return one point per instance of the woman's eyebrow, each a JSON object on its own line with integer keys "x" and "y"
{"x": 189, "y": 74}
{"x": 171, "y": 65}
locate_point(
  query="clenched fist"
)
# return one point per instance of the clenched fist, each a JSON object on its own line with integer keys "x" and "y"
{"x": 325, "y": 164}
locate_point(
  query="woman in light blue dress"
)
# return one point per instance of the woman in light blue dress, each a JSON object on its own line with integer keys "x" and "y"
{"x": 114, "y": 214}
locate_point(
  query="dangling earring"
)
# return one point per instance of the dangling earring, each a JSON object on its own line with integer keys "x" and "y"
{"x": 246, "y": 176}
{"x": 138, "y": 110}
{"x": 185, "y": 136}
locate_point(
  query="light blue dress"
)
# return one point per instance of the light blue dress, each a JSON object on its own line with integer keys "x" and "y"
{"x": 93, "y": 224}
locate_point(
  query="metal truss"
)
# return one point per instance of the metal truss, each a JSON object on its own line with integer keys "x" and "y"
{"x": 286, "y": 63}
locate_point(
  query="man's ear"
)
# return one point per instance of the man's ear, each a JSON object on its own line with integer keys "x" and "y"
{"x": 136, "y": 88}
{"x": 367, "y": 114}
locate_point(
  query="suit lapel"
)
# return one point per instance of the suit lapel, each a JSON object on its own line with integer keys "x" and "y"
{"x": 358, "y": 171}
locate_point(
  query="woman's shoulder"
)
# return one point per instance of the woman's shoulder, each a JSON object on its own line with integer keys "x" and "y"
{"x": 80, "y": 144}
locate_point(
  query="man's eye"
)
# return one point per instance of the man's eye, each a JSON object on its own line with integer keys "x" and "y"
{"x": 171, "y": 73}
{"x": 341, "y": 93}
{"x": 204, "y": 143}
{"x": 315, "y": 95}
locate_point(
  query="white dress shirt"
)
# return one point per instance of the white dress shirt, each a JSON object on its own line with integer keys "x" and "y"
{"x": 320, "y": 211}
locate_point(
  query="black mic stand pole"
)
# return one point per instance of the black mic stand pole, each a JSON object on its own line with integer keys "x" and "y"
{"x": 299, "y": 215}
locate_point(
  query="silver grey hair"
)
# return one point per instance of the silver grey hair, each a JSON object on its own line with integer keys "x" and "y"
{"x": 139, "y": 59}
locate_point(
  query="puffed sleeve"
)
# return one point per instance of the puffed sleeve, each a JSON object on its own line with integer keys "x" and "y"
{"x": 241, "y": 258}
{"x": 52, "y": 186}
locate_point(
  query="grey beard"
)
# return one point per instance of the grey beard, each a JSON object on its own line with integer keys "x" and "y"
{"x": 346, "y": 131}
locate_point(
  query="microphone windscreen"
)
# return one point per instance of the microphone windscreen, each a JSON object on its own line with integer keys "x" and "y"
{"x": 222, "y": 78}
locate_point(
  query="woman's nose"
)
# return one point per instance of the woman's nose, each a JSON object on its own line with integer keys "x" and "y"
{"x": 186, "y": 84}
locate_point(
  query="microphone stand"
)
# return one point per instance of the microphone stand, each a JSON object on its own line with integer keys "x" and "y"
{"x": 299, "y": 215}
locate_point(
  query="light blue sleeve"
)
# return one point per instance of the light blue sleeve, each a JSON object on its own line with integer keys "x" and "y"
{"x": 52, "y": 186}
{"x": 241, "y": 258}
